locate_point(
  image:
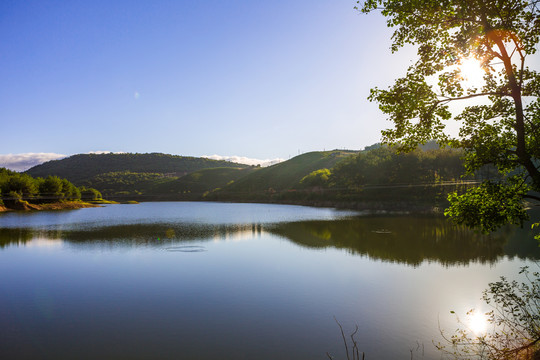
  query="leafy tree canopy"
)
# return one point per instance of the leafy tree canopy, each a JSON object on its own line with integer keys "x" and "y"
{"x": 316, "y": 178}
{"x": 500, "y": 121}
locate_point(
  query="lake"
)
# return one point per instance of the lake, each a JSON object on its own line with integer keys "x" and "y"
{"x": 183, "y": 280}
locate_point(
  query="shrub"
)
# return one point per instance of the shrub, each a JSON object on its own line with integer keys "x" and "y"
{"x": 515, "y": 321}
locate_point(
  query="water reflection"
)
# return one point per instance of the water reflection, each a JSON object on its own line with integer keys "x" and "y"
{"x": 131, "y": 235}
{"x": 16, "y": 236}
{"x": 411, "y": 240}
{"x": 477, "y": 322}
{"x": 401, "y": 239}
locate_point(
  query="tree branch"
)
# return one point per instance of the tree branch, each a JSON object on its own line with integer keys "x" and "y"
{"x": 524, "y": 347}
{"x": 447, "y": 99}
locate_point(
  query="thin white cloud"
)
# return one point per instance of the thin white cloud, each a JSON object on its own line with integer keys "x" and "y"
{"x": 245, "y": 160}
{"x": 99, "y": 152}
{"x": 22, "y": 162}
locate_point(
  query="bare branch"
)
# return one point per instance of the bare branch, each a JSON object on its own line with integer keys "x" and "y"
{"x": 446, "y": 99}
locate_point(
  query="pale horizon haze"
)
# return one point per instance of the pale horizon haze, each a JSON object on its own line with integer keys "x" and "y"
{"x": 245, "y": 79}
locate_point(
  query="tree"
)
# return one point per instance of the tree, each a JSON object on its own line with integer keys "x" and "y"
{"x": 500, "y": 123}
{"x": 70, "y": 191}
{"x": 499, "y": 126}
{"x": 90, "y": 194}
{"x": 51, "y": 188}
{"x": 22, "y": 184}
{"x": 316, "y": 178}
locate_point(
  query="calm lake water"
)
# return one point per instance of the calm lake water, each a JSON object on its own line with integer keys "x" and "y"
{"x": 180, "y": 280}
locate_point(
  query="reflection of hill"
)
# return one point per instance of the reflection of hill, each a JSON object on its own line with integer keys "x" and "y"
{"x": 403, "y": 239}
{"x": 410, "y": 240}
{"x": 134, "y": 234}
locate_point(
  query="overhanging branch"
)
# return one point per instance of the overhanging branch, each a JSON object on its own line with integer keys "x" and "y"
{"x": 446, "y": 99}
{"x": 528, "y": 196}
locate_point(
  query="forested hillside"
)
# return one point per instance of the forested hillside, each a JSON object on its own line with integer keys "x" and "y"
{"x": 199, "y": 183}
{"x": 140, "y": 176}
{"x": 286, "y": 175}
{"x": 156, "y": 186}
{"x": 377, "y": 177}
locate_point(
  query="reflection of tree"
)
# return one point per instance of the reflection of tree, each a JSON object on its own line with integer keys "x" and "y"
{"x": 129, "y": 234}
{"x": 14, "y": 237}
{"x": 407, "y": 239}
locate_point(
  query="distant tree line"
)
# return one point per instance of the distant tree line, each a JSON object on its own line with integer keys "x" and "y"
{"x": 384, "y": 166}
{"x": 16, "y": 187}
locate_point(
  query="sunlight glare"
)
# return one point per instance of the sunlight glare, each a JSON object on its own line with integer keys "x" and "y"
{"x": 472, "y": 72}
{"x": 478, "y": 322}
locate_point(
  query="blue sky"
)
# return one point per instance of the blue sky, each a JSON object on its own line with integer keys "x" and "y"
{"x": 258, "y": 79}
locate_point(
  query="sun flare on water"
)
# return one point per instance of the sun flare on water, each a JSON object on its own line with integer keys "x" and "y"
{"x": 477, "y": 322}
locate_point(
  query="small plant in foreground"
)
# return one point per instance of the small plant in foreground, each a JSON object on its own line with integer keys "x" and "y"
{"x": 354, "y": 345}
{"x": 514, "y": 323}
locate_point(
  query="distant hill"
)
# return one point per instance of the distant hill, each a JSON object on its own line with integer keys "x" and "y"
{"x": 285, "y": 175}
{"x": 82, "y": 168}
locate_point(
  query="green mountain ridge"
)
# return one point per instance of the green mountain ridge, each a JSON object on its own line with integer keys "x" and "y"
{"x": 170, "y": 177}
{"x": 82, "y": 167}
{"x": 376, "y": 178}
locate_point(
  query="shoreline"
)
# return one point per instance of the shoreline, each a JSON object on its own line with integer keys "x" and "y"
{"x": 63, "y": 205}
{"x": 375, "y": 207}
